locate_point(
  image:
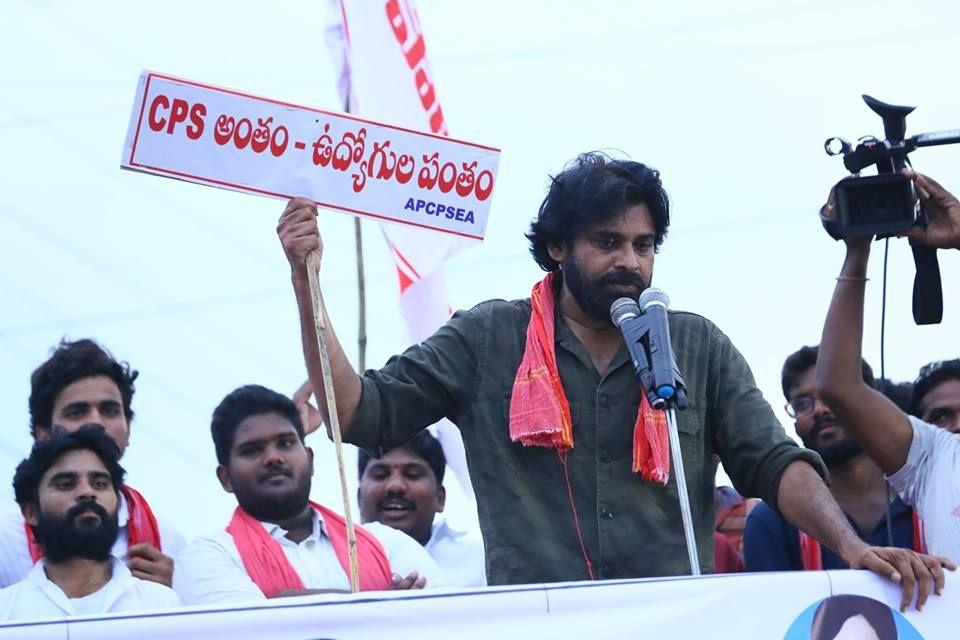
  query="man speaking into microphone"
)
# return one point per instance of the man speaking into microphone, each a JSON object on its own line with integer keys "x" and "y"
{"x": 569, "y": 463}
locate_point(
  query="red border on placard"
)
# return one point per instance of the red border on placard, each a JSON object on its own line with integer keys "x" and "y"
{"x": 300, "y": 106}
{"x": 136, "y": 137}
{"x": 322, "y": 204}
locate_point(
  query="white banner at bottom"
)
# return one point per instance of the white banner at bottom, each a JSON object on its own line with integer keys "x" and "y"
{"x": 792, "y": 606}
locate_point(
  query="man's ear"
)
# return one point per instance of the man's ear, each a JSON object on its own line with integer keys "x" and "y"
{"x": 557, "y": 251}
{"x": 41, "y": 433}
{"x": 310, "y": 459}
{"x": 223, "y": 475}
{"x": 30, "y": 513}
{"x": 441, "y": 498}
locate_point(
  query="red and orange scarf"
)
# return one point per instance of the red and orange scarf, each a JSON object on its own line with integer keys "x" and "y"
{"x": 540, "y": 412}
{"x": 268, "y": 567}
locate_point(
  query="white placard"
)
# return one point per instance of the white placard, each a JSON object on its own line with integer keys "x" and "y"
{"x": 233, "y": 140}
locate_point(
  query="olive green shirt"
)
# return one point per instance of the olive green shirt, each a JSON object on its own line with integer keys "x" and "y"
{"x": 630, "y": 527}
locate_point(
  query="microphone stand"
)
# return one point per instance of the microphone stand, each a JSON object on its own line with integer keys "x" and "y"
{"x": 681, "y": 479}
{"x": 635, "y": 331}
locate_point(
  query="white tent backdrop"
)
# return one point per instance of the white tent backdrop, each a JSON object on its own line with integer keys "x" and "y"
{"x": 730, "y": 101}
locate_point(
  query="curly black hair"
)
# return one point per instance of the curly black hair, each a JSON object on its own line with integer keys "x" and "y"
{"x": 591, "y": 189}
{"x": 70, "y": 362}
{"x": 26, "y": 480}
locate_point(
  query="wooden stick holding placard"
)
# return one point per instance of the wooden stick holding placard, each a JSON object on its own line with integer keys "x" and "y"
{"x": 320, "y": 322}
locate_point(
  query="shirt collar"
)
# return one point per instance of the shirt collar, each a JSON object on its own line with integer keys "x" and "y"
{"x": 279, "y": 534}
{"x": 120, "y": 581}
{"x": 442, "y": 529}
{"x": 566, "y": 338}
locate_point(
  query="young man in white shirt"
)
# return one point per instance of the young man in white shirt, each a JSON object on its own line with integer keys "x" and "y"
{"x": 278, "y": 543}
{"x": 404, "y": 490}
{"x": 82, "y": 384}
{"x": 921, "y": 460}
{"x": 69, "y": 493}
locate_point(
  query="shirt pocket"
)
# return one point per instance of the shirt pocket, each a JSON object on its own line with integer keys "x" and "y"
{"x": 538, "y": 465}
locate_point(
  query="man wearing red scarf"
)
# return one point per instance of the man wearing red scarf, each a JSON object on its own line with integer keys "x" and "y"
{"x": 82, "y": 384}
{"x": 569, "y": 464}
{"x": 279, "y": 542}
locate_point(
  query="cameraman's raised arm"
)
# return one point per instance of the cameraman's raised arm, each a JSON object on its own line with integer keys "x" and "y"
{"x": 873, "y": 420}
{"x": 943, "y": 213}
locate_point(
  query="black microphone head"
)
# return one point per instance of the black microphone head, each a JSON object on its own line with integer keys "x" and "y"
{"x": 623, "y": 308}
{"x": 652, "y": 295}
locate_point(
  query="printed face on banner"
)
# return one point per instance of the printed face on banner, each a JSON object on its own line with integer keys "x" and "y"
{"x": 228, "y": 139}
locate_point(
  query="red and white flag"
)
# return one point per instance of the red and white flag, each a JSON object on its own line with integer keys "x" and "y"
{"x": 383, "y": 72}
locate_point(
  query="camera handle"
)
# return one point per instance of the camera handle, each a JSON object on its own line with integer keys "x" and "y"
{"x": 927, "y": 286}
{"x": 927, "y": 289}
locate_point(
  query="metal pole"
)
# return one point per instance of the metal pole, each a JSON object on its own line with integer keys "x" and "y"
{"x": 681, "y": 479}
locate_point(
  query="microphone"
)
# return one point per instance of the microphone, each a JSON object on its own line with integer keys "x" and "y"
{"x": 625, "y": 313}
{"x": 653, "y": 302}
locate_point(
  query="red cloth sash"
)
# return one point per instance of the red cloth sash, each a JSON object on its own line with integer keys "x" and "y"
{"x": 142, "y": 525}
{"x": 812, "y": 559}
{"x": 268, "y": 567}
{"x": 540, "y": 412}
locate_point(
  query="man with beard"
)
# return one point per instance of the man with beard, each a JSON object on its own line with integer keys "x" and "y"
{"x": 404, "y": 489}
{"x": 569, "y": 463}
{"x": 81, "y": 384}
{"x": 69, "y": 492}
{"x": 278, "y": 542}
{"x": 773, "y": 544}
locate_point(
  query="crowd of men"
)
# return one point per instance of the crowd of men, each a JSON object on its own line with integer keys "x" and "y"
{"x": 569, "y": 463}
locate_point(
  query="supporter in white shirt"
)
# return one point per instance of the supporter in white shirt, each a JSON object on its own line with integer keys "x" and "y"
{"x": 278, "y": 543}
{"x": 68, "y": 490}
{"x": 210, "y": 569}
{"x": 930, "y": 481}
{"x": 404, "y": 489}
{"x": 36, "y": 597}
{"x": 82, "y": 384}
{"x": 15, "y": 560}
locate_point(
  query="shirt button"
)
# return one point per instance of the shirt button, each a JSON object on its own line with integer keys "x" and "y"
{"x": 605, "y": 456}
{"x": 603, "y": 400}
{"x": 606, "y": 568}
{"x": 606, "y": 514}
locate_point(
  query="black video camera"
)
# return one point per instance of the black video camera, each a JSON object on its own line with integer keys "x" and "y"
{"x": 886, "y": 204}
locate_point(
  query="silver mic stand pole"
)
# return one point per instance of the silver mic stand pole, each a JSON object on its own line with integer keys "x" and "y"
{"x": 681, "y": 479}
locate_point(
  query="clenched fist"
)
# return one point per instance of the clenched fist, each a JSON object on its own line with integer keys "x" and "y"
{"x": 298, "y": 232}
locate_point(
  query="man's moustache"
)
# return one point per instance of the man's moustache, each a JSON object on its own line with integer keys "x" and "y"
{"x": 822, "y": 423}
{"x": 275, "y": 471}
{"x": 84, "y": 507}
{"x": 621, "y": 278}
{"x": 404, "y": 502}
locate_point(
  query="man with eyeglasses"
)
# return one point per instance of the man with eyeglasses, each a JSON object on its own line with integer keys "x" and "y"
{"x": 773, "y": 544}
{"x": 921, "y": 460}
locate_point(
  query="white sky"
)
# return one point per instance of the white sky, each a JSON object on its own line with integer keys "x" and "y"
{"x": 731, "y": 101}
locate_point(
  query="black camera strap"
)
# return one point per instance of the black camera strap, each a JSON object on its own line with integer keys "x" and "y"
{"x": 927, "y": 289}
